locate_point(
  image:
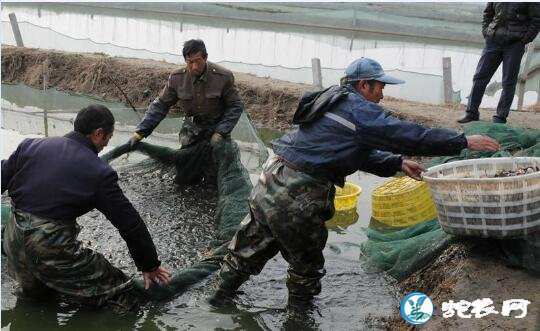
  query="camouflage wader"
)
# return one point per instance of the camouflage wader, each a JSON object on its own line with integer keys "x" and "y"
{"x": 194, "y": 158}
{"x": 44, "y": 255}
{"x": 288, "y": 209}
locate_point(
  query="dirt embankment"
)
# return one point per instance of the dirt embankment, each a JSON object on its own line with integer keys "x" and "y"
{"x": 463, "y": 272}
{"x": 269, "y": 102}
{"x": 472, "y": 270}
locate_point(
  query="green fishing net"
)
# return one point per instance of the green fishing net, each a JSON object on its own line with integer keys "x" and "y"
{"x": 233, "y": 186}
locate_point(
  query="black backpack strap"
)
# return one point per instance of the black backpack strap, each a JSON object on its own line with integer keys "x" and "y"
{"x": 313, "y": 105}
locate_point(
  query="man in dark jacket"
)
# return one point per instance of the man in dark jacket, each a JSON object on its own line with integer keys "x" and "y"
{"x": 341, "y": 130}
{"x": 51, "y": 182}
{"x": 209, "y": 99}
{"x": 507, "y": 27}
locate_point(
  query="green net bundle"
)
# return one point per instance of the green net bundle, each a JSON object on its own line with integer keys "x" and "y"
{"x": 233, "y": 186}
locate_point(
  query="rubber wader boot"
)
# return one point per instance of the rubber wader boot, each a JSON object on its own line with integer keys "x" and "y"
{"x": 300, "y": 304}
{"x": 226, "y": 291}
{"x": 299, "y": 315}
{"x": 125, "y": 302}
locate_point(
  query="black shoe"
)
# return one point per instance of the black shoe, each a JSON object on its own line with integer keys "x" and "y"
{"x": 466, "y": 119}
{"x": 497, "y": 119}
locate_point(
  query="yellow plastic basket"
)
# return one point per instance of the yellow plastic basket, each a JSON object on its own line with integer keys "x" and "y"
{"x": 402, "y": 202}
{"x": 347, "y": 197}
{"x": 342, "y": 219}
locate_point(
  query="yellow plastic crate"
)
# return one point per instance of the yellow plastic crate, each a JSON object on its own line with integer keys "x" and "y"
{"x": 406, "y": 219}
{"x": 402, "y": 202}
{"x": 416, "y": 200}
{"x": 347, "y": 197}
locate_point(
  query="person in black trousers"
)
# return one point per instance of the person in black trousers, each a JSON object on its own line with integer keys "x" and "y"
{"x": 507, "y": 27}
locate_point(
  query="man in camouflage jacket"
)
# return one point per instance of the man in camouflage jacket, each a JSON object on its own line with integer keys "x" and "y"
{"x": 207, "y": 95}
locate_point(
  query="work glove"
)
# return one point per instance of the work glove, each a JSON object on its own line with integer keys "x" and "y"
{"x": 216, "y": 138}
{"x": 133, "y": 141}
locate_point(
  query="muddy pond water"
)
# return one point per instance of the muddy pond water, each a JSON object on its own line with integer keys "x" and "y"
{"x": 354, "y": 296}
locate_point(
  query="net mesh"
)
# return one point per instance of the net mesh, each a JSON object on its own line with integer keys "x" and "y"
{"x": 233, "y": 186}
{"x": 229, "y": 163}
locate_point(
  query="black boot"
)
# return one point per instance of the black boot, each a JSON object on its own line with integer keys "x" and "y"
{"x": 222, "y": 298}
{"x": 300, "y": 303}
{"x": 226, "y": 291}
{"x": 300, "y": 312}
{"x": 35, "y": 294}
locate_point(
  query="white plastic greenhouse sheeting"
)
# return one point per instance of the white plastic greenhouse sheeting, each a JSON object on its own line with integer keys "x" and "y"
{"x": 281, "y": 55}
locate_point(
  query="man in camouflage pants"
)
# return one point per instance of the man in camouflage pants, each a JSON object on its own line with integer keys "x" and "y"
{"x": 45, "y": 257}
{"x": 51, "y": 182}
{"x": 288, "y": 209}
{"x": 341, "y": 130}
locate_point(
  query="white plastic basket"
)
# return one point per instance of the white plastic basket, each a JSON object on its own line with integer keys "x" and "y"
{"x": 470, "y": 202}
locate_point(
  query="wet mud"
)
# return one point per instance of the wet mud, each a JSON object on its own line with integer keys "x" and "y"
{"x": 179, "y": 218}
{"x": 469, "y": 270}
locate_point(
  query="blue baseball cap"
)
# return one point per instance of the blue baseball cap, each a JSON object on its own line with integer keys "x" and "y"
{"x": 368, "y": 69}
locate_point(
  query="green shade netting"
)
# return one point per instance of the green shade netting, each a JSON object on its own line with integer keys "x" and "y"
{"x": 4, "y": 216}
{"x": 6, "y": 209}
{"x": 513, "y": 141}
{"x": 400, "y": 252}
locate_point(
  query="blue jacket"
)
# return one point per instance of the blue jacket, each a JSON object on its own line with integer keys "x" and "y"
{"x": 62, "y": 178}
{"x": 356, "y": 134}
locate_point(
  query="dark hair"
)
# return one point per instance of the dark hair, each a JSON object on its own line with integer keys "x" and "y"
{"x": 194, "y": 46}
{"x": 371, "y": 82}
{"x": 94, "y": 117}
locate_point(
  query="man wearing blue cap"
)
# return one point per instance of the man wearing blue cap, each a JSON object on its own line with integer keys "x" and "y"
{"x": 340, "y": 130}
